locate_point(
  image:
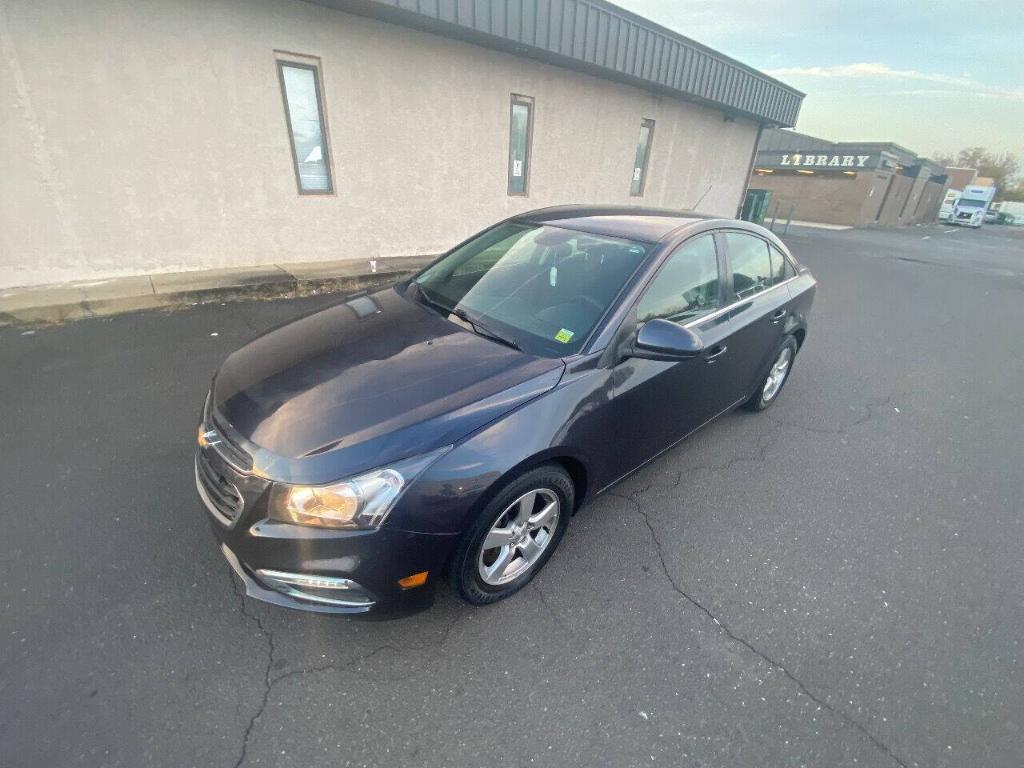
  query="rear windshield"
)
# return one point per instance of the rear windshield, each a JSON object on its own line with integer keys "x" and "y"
{"x": 538, "y": 287}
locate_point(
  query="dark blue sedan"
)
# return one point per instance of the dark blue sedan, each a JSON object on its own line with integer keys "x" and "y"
{"x": 451, "y": 425}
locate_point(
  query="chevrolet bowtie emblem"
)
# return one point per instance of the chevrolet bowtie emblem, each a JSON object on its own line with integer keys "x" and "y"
{"x": 209, "y": 438}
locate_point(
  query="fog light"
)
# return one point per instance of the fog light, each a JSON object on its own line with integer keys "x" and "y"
{"x": 415, "y": 580}
{"x": 331, "y": 590}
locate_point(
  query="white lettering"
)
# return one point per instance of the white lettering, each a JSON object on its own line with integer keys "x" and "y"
{"x": 785, "y": 160}
{"x": 861, "y": 159}
{"x": 834, "y": 160}
{"x": 810, "y": 159}
{"x": 796, "y": 159}
{"x": 847, "y": 160}
{"x": 822, "y": 159}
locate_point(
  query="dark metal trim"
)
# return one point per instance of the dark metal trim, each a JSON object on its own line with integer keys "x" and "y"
{"x": 315, "y": 69}
{"x": 599, "y": 38}
{"x": 885, "y": 197}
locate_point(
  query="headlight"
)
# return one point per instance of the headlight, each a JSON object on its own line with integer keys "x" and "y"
{"x": 359, "y": 503}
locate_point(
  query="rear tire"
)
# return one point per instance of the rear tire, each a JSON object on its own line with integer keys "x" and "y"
{"x": 775, "y": 379}
{"x": 514, "y": 536}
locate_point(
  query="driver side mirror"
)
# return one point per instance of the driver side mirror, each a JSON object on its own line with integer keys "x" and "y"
{"x": 666, "y": 341}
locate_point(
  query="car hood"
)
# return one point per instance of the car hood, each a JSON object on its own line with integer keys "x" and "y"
{"x": 367, "y": 382}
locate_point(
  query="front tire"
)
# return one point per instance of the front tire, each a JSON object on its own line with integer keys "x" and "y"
{"x": 768, "y": 390}
{"x": 514, "y": 536}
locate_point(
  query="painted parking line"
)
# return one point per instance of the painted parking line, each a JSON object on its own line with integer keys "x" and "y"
{"x": 947, "y": 231}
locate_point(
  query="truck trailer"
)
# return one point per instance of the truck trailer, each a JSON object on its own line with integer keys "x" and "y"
{"x": 1012, "y": 212}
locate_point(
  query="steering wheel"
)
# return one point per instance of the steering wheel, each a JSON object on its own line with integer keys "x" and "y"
{"x": 694, "y": 298}
{"x": 594, "y": 303}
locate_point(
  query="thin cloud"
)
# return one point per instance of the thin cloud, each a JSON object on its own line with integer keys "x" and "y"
{"x": 961, "y": 85}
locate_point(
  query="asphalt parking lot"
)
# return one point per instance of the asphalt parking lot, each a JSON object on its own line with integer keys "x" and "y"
{"x": 835, "y": 582}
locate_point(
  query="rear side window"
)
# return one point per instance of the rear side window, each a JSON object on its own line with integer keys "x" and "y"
{"x": 686, "y": 287}
{"x": 782, "y": 269}
{"x": 751, "y": 264}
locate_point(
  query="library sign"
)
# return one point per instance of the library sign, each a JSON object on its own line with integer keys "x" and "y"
{"x": 817, "y": 160}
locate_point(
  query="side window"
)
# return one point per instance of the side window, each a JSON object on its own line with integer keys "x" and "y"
{"x": 686, "y": 287}
{"x": 643, "y": 153}
{"x": 751, "y": 265}
{"x": 520, "y": 138}
{"x": 300, "y": 86}
{"x": 781, "y": 267}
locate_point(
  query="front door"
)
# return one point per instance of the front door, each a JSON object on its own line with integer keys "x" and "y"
{"x": 656, "y": 403}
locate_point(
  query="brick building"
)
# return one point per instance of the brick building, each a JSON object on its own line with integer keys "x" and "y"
{"x": 853, "y": 183}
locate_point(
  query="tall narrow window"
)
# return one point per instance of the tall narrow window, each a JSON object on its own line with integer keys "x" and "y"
{"x": 643, "y": 152}
{"x": 519, "y": 140}
{"x": 300, "y": 85}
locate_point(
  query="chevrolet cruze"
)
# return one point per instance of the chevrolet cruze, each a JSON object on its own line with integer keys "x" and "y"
{"x": 450, "y": 426}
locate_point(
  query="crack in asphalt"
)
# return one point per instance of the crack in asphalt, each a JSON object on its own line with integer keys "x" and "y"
{"x": 728, "y": 632}
{"x": 842, "y": 429}
{"x": 764, "y": 444}
{"x": 550, "y": 608}
{"x": 267, "y": 684}
{"x": 459, "y": 616}
{"x": 269, "y": 681}
{"x": 334, "y": 666}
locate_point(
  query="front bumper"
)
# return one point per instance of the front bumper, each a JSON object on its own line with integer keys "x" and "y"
{"x": 313, "y": 569}
{"x": 372, "y": 562}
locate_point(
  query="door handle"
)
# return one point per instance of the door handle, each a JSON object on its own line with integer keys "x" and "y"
{"x": 712, "y": 355}
{"x": 777, "y": 316}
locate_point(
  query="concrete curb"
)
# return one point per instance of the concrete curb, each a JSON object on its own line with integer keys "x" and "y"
{"x": 76, "y": 301}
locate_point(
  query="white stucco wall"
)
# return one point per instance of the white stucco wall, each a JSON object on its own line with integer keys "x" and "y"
{"x": 142, "y": 136}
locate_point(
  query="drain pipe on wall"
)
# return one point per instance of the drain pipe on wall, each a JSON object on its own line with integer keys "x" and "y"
{"x": 701, "y": 198}
{"x": 750, "y": 170}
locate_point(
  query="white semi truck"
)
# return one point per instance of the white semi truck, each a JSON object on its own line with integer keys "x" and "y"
{"x": 946, "y": 209}
{"x": 969, "y": 210}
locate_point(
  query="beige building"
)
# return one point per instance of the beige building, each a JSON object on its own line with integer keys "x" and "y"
{"x": 165, "y": 135}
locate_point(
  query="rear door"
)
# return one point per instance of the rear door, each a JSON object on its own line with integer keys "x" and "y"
{"x": 761, "y": 302}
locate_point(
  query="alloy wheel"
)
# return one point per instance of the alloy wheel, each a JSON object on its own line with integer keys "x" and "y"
{"x": 777, "y": 375}
{"x": 519, "y": 537}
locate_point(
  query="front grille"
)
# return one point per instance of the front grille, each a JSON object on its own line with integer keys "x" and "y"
{"x": 221, "y": 493}
{"x": 231, "y": 451}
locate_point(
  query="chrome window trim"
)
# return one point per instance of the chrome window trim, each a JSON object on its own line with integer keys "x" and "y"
{"x": 729, "y": 307}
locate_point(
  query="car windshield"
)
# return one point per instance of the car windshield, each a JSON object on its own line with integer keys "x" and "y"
{"x": 970, "y": 203}
{"x": 539, "y": 288}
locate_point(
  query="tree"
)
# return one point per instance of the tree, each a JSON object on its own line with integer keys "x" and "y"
{"x": 1001, "y": 167}
{"x": 1015, "y": 193}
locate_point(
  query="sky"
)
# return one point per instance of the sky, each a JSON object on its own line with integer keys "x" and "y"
{"x": 931, "y": 76}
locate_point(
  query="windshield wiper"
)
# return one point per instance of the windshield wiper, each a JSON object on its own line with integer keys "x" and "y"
{"x": 482, "y": 330}
{"x": 478, "y": 328}
{"x": 428, "y": 299}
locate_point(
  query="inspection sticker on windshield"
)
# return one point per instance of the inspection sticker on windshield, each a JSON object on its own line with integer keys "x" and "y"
{"x": 564, "y": 336}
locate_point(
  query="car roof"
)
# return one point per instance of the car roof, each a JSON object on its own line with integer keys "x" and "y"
{"x": 629, "y": 222}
